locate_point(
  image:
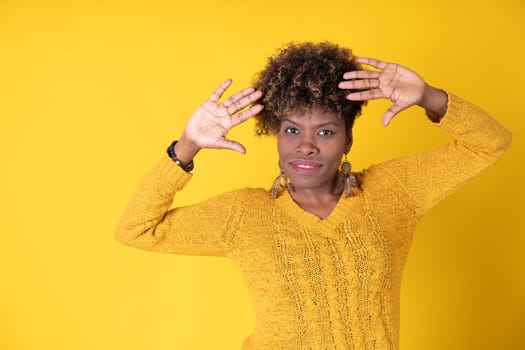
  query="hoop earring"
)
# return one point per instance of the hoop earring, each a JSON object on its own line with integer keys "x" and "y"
{"x": 347, "y": 180}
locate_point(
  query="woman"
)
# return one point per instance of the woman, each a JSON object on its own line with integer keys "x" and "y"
{"x": 323, "y": 251}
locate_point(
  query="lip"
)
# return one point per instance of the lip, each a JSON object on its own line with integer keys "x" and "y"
{"x": 305, "y": 166}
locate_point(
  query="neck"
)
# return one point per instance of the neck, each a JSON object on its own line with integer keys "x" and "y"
{"x": 317, "y": 194}
{"x": 319, "y": 201}
{"x": 312, "y": 195}
{"x": 320, "y": 205}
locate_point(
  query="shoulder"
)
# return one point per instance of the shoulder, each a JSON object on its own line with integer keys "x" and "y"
{"x": 247, "y": 196}
{"x": 376, "y": 176}
{"x": 256, "y": 193}
{"x": 247, "y": 202}
{"x": 380, "y": 182}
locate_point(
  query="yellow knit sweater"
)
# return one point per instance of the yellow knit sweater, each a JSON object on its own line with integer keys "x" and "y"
{"x": 318, "y": 283}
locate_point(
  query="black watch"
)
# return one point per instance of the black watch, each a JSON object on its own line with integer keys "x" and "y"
{"x": 173, "y": 156}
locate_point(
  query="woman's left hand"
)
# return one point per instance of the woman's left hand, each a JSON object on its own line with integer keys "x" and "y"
{"x": 395, "y": 82}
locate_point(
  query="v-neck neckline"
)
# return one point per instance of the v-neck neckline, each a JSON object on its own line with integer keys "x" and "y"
{"x": 308, "y": 219}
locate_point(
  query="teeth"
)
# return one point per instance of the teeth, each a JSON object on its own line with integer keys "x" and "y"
{"x": 305, "y": 166}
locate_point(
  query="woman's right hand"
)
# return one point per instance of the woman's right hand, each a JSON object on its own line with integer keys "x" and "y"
{"x": 210, "y": 123}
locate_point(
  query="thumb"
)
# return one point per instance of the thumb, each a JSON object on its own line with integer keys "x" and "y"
{"x": 231, "y": 145}
{"x": 392, "y": 112}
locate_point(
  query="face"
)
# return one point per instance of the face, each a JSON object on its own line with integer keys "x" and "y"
{"x": 310, "y": 146}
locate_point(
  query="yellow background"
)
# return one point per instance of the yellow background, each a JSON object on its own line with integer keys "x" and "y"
{"x": 92, "y": 92}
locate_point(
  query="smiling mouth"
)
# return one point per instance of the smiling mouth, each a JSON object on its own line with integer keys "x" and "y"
{"x": 302, "y": 166}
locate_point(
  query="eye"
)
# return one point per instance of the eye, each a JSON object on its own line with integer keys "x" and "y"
{"x": 291, "y": 130}
{"x": 326, "y": 132}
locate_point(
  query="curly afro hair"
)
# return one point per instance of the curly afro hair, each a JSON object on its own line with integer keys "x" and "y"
{"x": 301, "y": 76}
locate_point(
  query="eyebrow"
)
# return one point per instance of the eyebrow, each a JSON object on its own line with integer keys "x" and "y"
{"x": 317, "y": 126}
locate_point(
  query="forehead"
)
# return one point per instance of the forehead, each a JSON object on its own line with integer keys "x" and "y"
{"x": 314, "y": 114}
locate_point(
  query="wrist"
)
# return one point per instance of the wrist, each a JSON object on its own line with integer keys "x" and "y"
{"x": 183, "y": 162}
{"x": 185, "y": 150}
{"x": 434, "y": 101}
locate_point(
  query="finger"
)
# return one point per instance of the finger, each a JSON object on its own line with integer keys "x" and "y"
{"x": 372, "y": 62}
{"x": 238, "y": 96}
{"x": 220, "y": 90}
{"x": 231, "y": 145}
{"x": 247, "y": 114}
{"x": 365, "y": 95}
{"x": 244, "y": 102}
{"x": 359, "y": 84}
{"x": 362, "y": 74}
{"x": 392, "y": 112}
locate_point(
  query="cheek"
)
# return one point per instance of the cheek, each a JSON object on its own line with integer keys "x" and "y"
{"x": 336, "y": 154}
{"x": 282, "y": 146}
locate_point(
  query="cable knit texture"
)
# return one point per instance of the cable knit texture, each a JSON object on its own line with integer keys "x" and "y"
{"x": 316, "y": 283}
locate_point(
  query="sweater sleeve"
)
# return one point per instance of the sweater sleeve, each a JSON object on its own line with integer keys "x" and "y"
{"x": 430, "y": 176}
{"x": 148, "y": 222}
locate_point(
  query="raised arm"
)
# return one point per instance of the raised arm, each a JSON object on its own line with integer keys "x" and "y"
{"x": 430, "y": 176}
{"x": 205, "y": 228}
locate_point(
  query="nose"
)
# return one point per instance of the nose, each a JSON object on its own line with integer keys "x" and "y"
{"x": 307, "y": 145}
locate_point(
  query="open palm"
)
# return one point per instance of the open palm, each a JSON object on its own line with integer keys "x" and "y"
{"x": 395, "y": 82}
{"x": 209, "y": 124}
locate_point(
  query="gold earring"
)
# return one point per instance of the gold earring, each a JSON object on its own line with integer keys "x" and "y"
{"x": 347, "y": 180}
{"x": 280, "y": 182}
